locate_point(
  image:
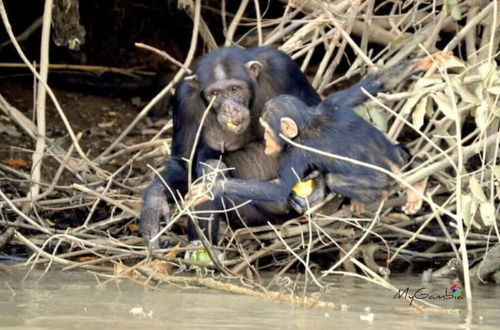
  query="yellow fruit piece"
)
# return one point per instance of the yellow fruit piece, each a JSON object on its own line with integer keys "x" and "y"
{"x": 303, "y": 188}
{"x": 231, "y": 125}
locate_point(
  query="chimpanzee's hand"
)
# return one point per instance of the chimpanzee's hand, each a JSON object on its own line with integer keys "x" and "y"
{"x": 302, "y": 201}
{"x": 155, "y": 206}
{"x": 203, "y": 191}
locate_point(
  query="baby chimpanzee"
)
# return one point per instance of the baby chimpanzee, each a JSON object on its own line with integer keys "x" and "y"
{"x": 334, "y": 128}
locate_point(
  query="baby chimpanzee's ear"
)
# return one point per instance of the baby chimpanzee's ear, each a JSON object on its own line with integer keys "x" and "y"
{"x": 289, "y": 127}
{"x": 254, "y": 68}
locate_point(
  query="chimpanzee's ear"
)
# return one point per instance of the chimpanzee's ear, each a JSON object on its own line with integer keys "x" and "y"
{"x": 289, "y": 127}
{"x": 254, "y": 68}
{"x": 192, "y": 80}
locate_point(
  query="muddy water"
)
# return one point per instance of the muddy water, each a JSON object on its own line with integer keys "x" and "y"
{"x": 74, "y": 300}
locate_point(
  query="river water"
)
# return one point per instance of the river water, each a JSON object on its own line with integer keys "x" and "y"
{"x": 75, "y": 300}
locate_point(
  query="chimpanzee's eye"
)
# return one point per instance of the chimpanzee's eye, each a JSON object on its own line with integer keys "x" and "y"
{"x": 235, "y": 88}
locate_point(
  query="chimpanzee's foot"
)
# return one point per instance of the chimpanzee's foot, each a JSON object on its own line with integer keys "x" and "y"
{"x": 414, "y": 199}
{"x": 357, "y": 207}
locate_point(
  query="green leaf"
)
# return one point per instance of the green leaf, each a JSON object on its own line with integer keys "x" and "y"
{"x": 487, "y": 211}
{"x": 362, "y": 111}
{"x": 201, "y": 256}
{"x": 476, "y": 190}
{"x": 379, "y": 118}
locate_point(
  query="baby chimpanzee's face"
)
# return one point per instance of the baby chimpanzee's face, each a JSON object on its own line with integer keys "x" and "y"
{"x": 273, "y": 147}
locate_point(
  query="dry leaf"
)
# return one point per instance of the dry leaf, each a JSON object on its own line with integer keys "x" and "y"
{"x": 444, "y": 105}
{"x": 418, "y": 114}
{"x": 17, "y": 162}
{"x": 476, "y": 190}
{"x": 487, "y": 213}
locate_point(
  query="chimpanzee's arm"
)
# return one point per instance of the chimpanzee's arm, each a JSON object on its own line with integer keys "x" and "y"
{"x": 354, "y": 96}
{"x": 293, "y": 168}
{"x": 186, "y": 119}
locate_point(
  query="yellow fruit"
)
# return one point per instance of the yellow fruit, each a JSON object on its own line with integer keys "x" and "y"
{"x": 303, "y": 188}
{"x": 231, "y": 125}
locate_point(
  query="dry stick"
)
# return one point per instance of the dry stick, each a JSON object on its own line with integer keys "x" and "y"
{"x": 22, "y": 215}
{"x": 430, "y": 42}
{"x": 205, "y": 33}
{"x": 289, "y": 249}
{"x": 494, "y": 28}
{"x": 407, "y": 123}
{"x": 282, "y": 32}
{"x": 347, "y": 37}
{"x": 259, "y": 22}
{"x": 424, "y": 224}
{"x": 163, "y": 54}
{"x": 26, "y": 33}
{"x": 195, "y": 143}
{"x": 341, "y": 50}
{"x": 26, "y": 124}
{"x": 81, "y": 67}
{"x": 234, "y": 23}
{"x": 37, "y": 156}
{"x": 135, "y": 147}
{"x": 30, "y": 129}
{"x": 54, "y": 181}
{"x": 232, "y": 288}
{"x": 164, "y": 91}
{"x": 358, "y": 243}
{"x": 378, "y": 280}
{"x": 367, "y": 26}
{"x": 309, "y": 54}
{"x": 470, "y": 38}
{"x": 259, "y": 254}
{"x": 324, "y": 62}
{"x": 21, "y": 54}
{"x": 429, "y": 238}
{"x": 470, "y": 25}
{"x": 458, "y": 193}
{"x": 106, "y": 199}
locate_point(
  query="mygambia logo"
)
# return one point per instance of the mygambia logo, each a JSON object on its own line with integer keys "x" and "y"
{"x": 455, "y": 289}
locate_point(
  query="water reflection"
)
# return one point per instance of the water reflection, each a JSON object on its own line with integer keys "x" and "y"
{"x": 72, "y": 300}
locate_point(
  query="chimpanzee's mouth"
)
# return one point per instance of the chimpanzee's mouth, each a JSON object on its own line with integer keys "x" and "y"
{"x": 234, "y": 127}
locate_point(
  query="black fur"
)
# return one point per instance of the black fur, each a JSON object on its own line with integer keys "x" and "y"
{"x": 279, "y": 75}
{"x": 333, "y": 127}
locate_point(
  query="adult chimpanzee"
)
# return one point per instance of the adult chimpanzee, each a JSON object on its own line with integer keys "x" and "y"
{"x": 333, "y": 127}
{"x": 241, "y": 80}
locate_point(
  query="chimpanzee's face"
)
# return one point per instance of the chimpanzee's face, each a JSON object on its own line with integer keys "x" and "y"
{"x": 232, "y": 99}
{"x": 273, "y": 147}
